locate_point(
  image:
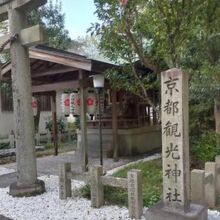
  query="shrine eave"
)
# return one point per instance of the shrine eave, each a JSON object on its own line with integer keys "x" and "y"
{"x": 54, "y": 69}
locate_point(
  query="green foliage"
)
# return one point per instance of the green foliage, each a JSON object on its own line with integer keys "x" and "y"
{"x": 6, "y": 88}
{"x": 152, "y": 185}
{"x": 60, "y": 124}
{"x": 205, "y": 149}
{"x": 4, "y": 146}
{"x": 52, "y": 18}
{"x": 152, "y": 180}
{"x": 77, "y": 122}
{"x": 85, "y": 192}
{"x": 160, "y": 34}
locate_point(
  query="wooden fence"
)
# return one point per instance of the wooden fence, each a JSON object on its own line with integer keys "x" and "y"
{"x": 97, "y": 182}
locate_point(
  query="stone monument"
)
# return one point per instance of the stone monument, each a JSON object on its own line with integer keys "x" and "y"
{"x": 175, "y": 152}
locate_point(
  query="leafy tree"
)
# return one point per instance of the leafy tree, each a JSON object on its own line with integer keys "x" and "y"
{"x": 154, "y": 32}
{"x": 87, "y": 46}
{"x": 52, "y": 18}
{"x": 202, "y": 61}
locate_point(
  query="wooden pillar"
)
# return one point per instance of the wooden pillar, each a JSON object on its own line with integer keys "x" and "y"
{"x": 83, "y": 122}
{"x": 54, "y": 124}
{"x": 114, "y": 125}
{"x": 27, "y": 183}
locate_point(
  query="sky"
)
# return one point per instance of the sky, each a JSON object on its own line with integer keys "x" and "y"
{"x": 79, "y": 16}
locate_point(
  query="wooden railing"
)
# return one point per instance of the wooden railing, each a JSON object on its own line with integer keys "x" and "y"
{"x": 97, "y": 182}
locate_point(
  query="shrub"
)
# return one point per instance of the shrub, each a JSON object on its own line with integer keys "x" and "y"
{"x": 205, "y": 149}
{"x": 60, "y": 123}
{"x": 4, "y": 146}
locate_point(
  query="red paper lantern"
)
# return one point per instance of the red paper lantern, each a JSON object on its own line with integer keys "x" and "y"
{"x": 65, "y": 103}
{"x": 91, "y": 102}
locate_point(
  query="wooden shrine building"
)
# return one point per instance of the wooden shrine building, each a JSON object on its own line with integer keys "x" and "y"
{"x": 129, "y": 126}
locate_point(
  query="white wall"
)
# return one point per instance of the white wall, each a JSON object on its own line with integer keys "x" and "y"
{"x": 7, "y": 123}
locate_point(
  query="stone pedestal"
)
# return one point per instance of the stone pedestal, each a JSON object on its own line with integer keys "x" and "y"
{"x": 27, "y": 190}
{"x": 160, "y": 212}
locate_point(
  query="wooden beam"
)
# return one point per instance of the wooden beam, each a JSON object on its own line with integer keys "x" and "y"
{"x": 29, "y": 37}
{"x": 55, "y": 86}
{"x": 53, "y": 72}
{"x": 83, "y": 64}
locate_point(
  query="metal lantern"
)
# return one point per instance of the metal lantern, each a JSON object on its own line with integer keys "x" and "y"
{"x": 34, "y": 106}
{"x": 98, "y": 82}
{"x": 65, "y": 103}
{"x": 75, "y": 103}
{"x": 91, "y": 102}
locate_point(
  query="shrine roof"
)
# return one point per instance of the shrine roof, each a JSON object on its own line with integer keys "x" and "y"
{"x": 58, "y": 67}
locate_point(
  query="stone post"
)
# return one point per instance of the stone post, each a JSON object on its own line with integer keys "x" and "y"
{"x": 27, "y": 183}
{"x": 64, "y": 182}
{"x": 175, "y": 139}
{"x": 11, "y": 140}
{"x": 135, "y": 200}
{"x": 175, "y": 152}
{"x": 210, "y": 187}
{"x": 97, "y": 189}
{"x": 198, "y": 186}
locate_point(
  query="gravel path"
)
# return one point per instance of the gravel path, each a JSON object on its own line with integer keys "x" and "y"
{"x": 49, "y": 207}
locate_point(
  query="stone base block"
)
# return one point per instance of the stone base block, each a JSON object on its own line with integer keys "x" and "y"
{"x": 159, "y": 212}
{"x": 27, "y": 190}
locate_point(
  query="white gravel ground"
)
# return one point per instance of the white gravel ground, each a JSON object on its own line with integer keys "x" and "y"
{"x": 49, "y": 207}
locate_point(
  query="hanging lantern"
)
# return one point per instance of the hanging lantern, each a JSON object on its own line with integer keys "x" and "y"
{"x": 75, "y": 103}
{"x": 91, "y": 102}
{"x": 34, "y": 106}
{"x": 65, "y": 103}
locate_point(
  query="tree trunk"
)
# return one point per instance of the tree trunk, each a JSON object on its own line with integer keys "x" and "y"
{"x": 217, "y": 115}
